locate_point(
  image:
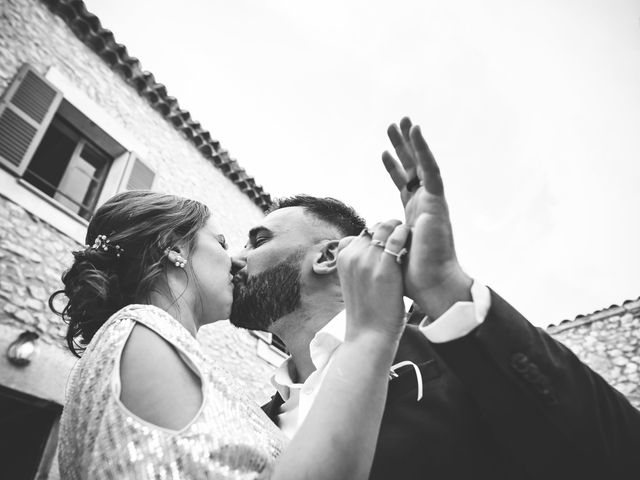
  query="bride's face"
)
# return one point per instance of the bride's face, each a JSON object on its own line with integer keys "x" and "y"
{"x": 211, "y": 269}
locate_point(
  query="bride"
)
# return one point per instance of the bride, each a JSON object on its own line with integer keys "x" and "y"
{"x": 144, "y": 401}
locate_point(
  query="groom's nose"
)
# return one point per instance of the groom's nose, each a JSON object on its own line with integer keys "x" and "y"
{"x": 237, "y": 264}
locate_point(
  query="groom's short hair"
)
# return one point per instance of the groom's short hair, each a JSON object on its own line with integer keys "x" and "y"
{"x": 330, "y": 210}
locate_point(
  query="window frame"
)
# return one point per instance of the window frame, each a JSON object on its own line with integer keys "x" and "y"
{"x": 59, "y": 190}
{"x": 18, "y": 190}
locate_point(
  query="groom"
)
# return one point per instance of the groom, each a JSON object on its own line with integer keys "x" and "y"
{"x": 476, "y": 391}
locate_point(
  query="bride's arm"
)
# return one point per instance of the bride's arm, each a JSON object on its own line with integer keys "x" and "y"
{"x": 337, "y": 439}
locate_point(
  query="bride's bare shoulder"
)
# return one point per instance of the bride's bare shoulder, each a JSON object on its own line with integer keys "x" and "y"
{"x": 157, "y": 385}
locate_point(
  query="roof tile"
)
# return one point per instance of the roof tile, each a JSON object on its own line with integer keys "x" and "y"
{"x": 628, "y": 306}
{"x": 87, "y": 27}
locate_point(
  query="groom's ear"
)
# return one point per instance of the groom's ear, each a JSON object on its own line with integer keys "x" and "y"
{"x": 326, "y": 260}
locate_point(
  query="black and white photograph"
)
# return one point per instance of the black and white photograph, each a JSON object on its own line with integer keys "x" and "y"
{"x": 319, "y": 241}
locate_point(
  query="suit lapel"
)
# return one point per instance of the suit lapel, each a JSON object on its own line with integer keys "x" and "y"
{"x": 415, "y": 348}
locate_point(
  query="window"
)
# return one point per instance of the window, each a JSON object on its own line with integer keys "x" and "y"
{"x": 69, "y": 168}
{"x": 58, "y": 150}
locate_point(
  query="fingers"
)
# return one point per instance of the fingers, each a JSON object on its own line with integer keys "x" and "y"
{"x": 405, "y": 128}
{"x": 395, "y": 244}
{"x": 427, "y": 163}
{"x": 381, "y": 232}
{"x": 344, "y": 243}
{"x": 395, "y": 170}
{"x": 370, "y": 247}
{"x": 403, "y": 149}
{"x": 353, "y": 244}
{"x": 416, "y": 160}
{"x": 362, "y": 240}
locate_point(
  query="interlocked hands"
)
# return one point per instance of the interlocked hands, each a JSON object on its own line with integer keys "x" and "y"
{"x": 371, "y": 278}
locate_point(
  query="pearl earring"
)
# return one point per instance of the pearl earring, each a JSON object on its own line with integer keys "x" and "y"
{"x": 175, "y": 258}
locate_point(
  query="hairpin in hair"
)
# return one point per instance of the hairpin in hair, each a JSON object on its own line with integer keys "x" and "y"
{"x": 103, "y": 243}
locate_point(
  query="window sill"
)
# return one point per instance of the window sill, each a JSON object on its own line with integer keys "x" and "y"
{"x": 42, "y": 206}
{"x": 53, "y": 202}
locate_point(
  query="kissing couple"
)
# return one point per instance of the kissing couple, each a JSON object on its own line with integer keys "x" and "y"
{"x": 464, "y": 387}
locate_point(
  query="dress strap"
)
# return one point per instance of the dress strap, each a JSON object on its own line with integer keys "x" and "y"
{"x": 168, "y": 328}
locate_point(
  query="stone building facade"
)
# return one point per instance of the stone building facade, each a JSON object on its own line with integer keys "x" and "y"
{"x": 63, "y": 78}
{"x": 609, "y": 342}
{"x": 80, "y": 121}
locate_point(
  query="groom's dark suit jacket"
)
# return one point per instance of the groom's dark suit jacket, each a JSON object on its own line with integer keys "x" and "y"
{"x": 504, "y": 402}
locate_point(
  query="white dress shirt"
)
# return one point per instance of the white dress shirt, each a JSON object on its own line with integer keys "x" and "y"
{"x": 458, "y": 321}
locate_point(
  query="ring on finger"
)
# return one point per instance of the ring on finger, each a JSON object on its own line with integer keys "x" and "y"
{"x": 413, "y": 184}
{"x": 399, "y": 256}
{"x": 377, "y": 243}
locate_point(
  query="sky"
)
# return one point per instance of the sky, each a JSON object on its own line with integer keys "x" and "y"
{"x": 531, "y": 108}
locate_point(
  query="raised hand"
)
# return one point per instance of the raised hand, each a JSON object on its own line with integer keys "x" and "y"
{"x": 433, "y": 276}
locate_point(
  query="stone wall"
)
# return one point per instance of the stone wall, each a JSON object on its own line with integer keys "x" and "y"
{"x": 32, "y": 258}
{"x": 33, "y": 254}
{"x": 609, "y": 342}
{"x": 30, "y": 33}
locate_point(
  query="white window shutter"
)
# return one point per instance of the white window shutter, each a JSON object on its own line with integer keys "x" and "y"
{"x": 26, "y": 110}
{"x": 138, "y": 175}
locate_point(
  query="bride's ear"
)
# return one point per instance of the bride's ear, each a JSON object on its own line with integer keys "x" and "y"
{"x": 326, "y": 260}
{"x": 177, "y": 255}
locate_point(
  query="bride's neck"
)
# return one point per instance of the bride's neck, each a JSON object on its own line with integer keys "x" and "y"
{"x": 177, "y": 308}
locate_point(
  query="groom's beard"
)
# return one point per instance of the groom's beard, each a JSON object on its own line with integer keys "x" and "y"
{"x": 262, "y": 299}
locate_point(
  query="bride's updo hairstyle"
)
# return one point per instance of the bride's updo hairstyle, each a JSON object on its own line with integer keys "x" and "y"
{"x": 127, "y": 241}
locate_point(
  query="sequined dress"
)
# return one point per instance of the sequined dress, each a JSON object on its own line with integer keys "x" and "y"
{"x": 229, "y": 438}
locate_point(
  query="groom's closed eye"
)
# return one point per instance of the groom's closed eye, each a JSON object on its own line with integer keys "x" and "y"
{"x": 258, "y": 236}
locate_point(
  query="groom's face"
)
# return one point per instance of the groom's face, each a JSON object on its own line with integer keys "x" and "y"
{"x": 271, "y": 268}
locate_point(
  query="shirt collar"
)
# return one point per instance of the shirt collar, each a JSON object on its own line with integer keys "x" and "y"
{"x": 281, "y": 379}
{"x": 321, "y": 348}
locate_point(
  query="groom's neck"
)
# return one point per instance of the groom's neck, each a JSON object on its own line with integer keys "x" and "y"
{"x": 297, "y": 330}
